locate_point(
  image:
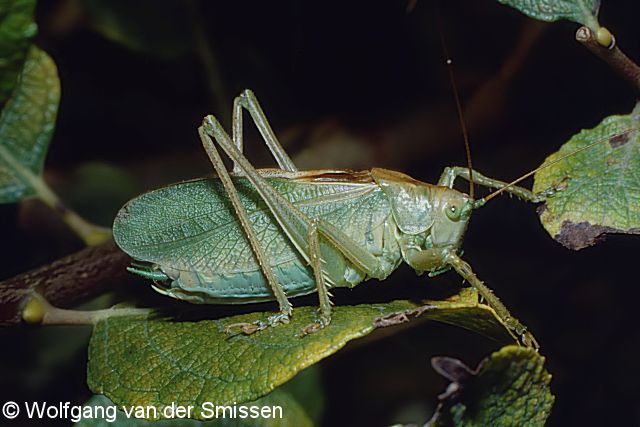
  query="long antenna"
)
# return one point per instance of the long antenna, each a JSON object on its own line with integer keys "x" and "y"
{"x": 546, "y": 165}
{"x": 452, "y": 79}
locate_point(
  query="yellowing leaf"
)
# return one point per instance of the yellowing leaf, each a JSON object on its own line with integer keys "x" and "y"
{"x": 152, "y": 361}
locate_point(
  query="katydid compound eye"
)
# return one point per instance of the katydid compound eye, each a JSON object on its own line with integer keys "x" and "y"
{"x": 453, "y": 212}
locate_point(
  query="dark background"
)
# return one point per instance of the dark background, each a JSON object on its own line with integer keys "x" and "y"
{"x": 364, "y": 75}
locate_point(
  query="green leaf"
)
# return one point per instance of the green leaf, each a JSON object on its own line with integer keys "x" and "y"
{"x": 292, "y": 415}
{"x": 580, "y": 11}
{"x": 153, "y": 361}
{"x": 598, "y": 188}
{"x": 509, "y": 388}
{"x": 16, "y": 30}
{"x": 162, "y": 29}
{"x": 26, "y": 126}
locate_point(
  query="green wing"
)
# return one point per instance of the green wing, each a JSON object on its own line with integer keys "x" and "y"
{"x": 191, "y": 226}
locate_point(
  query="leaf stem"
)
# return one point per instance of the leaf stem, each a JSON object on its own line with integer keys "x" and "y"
{"x": 39, "y": 311}
{"x": 90, "y": 233}
{"x": 611, "y": 55}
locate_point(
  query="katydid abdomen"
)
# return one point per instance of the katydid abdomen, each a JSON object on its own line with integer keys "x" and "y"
{"x": 189, "y": 234}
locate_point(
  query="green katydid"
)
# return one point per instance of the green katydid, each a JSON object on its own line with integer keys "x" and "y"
{"x": 263, "y": 234}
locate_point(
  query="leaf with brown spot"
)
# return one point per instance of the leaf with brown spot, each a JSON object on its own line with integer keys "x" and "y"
{"x": 597, "y": 191}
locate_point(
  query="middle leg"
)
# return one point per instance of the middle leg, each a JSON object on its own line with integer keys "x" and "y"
{"x": 315, "y": 259}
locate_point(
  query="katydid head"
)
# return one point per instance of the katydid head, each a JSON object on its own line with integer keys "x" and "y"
{"x": 431, "y": 219}
{"x": 450, "y": 223}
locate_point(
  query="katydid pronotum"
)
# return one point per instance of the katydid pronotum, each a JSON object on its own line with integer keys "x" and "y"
{"x": 255, "y": 235}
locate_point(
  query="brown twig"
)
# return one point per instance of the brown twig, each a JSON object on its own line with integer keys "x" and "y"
{"x": 65, "y": 282}
{"x": 612, "y": 56}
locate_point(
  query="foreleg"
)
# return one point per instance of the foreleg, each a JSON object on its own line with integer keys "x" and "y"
{"x": 450, "y": 174}
{"x": 494, "y": 302}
